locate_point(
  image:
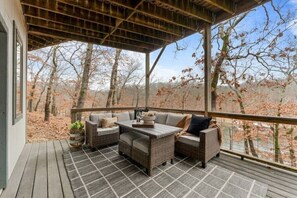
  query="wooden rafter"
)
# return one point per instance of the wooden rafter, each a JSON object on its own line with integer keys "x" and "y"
{"x": 61, "y": 35}
{"x": 188, "y": 9}
{"x": 126, "y": 30}
{"x": 138, "y": 25}
{"x": 120, "y": 15}
{"x": 159, "y": 13}
{"x": 84, "y": 32}
{"x": 226, "y": 5}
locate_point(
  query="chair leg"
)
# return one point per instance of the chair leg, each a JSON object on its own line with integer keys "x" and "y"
{"x": 203, "y": 165}
{"x": 164, "y": 163}
{"x": 149, "y": 171}
{"x": 171, "y": 161}
{"x": 93, "y": 149}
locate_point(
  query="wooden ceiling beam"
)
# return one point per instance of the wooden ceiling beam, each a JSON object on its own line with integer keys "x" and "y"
{"x": 52, "y": 7}
{"x": 100, "y": 7}
{"x": 153, "y": 36}
{"x": 159, "y": 13}
{"x": 187, "y": 8}
{"x": 93, "y": 27}
{"x": 84, "y": 33}
{"x": 61, "y": 35}
{"x": 226, "y": 5}
{"x": 240, "y": 8}
{"x": 91, "y": 21}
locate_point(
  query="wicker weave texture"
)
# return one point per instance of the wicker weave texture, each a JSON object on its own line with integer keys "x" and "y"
{"x": 93, "y": 140}
{"x": 208, "y": 148}
{"x": 160, "y": 150}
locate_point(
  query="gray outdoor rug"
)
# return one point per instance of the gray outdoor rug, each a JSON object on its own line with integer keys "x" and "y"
{"x": 104, "y": 173}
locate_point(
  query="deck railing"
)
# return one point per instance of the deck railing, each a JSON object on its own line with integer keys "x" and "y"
{"x": 230, "y": 125}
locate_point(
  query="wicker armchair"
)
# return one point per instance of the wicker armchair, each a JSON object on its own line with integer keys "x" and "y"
{"x": 202, "y": 148}
{"x": 98, "y": 137}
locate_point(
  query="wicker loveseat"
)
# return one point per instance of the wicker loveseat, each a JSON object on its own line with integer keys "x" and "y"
{"x": 96, "y": 136}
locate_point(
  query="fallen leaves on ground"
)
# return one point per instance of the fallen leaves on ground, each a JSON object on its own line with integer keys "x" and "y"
{"x": 38, "y": 130}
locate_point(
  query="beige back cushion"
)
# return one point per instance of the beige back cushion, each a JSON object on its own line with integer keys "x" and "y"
{"x": 123, "y": 116}
{"x": 97, "y": 118}
{"x": 109, "y": 122}
{"x": 161, "y": 118}
{"x": 173, "y": 119}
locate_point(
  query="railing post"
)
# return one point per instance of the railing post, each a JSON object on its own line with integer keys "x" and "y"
{"x": 147, "y": 78}
{"x": 207, "y": 69}
{"x": 73, "y": 116}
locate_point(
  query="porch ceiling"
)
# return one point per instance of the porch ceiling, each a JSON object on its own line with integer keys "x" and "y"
{"x": 138, "y": 25}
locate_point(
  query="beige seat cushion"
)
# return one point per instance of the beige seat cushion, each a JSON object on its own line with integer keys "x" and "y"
{"x": 192, "y": 140}
{"x": 106, "y": 131}
{"x": 142, "y": 144}
{"x": 128, "y": 137}
{"x": 108, "y": 122}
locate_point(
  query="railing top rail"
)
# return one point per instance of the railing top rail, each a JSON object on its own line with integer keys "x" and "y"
{"x": 77, "y": 110}
{"x": 259, "y": 118}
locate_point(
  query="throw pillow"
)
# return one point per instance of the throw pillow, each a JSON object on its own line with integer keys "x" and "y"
{"x": 109, "y": 122}
{"x": 198, "y": 124}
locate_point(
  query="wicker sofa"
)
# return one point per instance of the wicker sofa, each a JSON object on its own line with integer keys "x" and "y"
{"x": 96, "y": 136}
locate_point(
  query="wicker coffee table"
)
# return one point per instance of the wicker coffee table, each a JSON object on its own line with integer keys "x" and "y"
{"x": 160, "y": 144}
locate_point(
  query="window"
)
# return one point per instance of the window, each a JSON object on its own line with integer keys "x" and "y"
{"x": 17, "y": 75}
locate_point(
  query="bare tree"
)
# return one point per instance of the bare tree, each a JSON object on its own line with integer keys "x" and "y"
{"x": 113, "y": 79}
{"x": 50, "y": 84}
{"x": 85, "y": 78}
{"x": 35, "y": 59}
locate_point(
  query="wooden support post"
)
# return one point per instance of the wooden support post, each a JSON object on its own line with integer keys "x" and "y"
{"x": 147, "y": 78}
{"x": 73, "y": 117}
{"x": 157, "y": 59}
{"x": 207, "y": 69}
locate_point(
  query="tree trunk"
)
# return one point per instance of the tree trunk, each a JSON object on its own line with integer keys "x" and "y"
{"x": 39, "y": 99}
{"x": 248, "y": 141}
{"x": 277, "y": 151}
{"x": 224, "y": 52}
{"x": 113, "y": 79}
{"x": 50, "y": 85}
{"x": 85, "y": 79}
{"x": 54, "y": 106}
{"x": 289, "y": 136}
{"x": 75, "y": 95}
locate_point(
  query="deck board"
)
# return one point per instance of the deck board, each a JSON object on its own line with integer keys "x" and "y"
{"x": 50, "y": 177}
{"x": 67, "y": 191}
{"x": 54, "y": 181}
{"x": 26, "y": 186}
{"x": 40, "y": 183}
{"x": 16, "y": 176}
{"x": 277, "y": 187}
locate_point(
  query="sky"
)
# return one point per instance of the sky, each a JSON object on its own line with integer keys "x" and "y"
{"x": 172, "y": 62}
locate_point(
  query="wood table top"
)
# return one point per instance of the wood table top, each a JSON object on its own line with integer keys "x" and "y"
{"x": 159, "y": 131}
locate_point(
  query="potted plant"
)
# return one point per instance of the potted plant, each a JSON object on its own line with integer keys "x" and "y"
{"x": 77, "y": 133}
{"x": 148, "y": 117}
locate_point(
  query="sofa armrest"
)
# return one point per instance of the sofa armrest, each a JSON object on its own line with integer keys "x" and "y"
{"x": 209, "y": 137}
{"x": 209, "y": 144}
{"x": 91, "y": 131}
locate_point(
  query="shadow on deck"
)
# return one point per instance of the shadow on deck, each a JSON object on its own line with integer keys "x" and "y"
{"x": 40, "y": 172}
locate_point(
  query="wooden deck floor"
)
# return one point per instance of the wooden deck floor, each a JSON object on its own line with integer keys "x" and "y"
{"x": 40, "y": 173}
